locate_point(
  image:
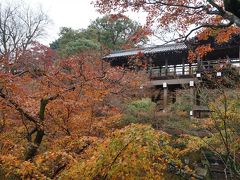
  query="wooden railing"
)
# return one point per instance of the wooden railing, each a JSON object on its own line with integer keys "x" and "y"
{"x": 189, "y": 70}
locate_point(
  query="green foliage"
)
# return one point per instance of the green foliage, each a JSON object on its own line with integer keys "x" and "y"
{"x": 107, "y": 32}
{"x": 78, "y": 46}
{"x": 135, "y": 152}
{"x": 116, "y": 31}
{"x": 183, "y": 102}
{"x": 140, "y": 111}
{"x": 72, "y": 42}
{"x": 141, "y": 105}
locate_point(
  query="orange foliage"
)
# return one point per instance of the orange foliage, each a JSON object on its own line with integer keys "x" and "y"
{"x": 78, "y": 93}
{"x": 183, "y": 18}
{"x": 199, "y": 52}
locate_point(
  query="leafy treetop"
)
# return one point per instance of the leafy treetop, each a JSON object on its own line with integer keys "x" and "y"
{"x": 111, "y": 32}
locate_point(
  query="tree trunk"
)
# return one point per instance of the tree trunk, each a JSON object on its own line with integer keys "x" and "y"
{"x": 33, "y": 147}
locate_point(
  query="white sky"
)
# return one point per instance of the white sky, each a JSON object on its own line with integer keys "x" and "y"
{"x": 70, "y": 13}
{"x": 76, "y": 14}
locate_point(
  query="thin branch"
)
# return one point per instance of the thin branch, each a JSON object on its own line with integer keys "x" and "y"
{"x": 116, "y": 157}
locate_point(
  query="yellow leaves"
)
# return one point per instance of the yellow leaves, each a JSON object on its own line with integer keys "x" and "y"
{"x": 136, "y": 150}
{"x": 191, "y": 143}
{"x": 207, "y": 123}
{"x": 225, "y": 120}
{"x": 226, "y": 107}
{"x": 27, "y": 170}
{"x": 19, "y": 169}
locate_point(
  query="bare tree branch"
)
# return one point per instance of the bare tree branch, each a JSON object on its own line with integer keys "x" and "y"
{"x": 19, "y": 26}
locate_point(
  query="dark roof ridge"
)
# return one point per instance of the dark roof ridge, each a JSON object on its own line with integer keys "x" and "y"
{"x": 148, "y": 50}
{"x": 145, "y": 48}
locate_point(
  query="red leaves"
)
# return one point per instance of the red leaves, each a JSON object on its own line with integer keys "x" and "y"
{"x": 137, "y": 37}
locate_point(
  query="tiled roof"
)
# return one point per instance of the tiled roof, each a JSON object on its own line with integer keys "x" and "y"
{"x": 148, "y": 50}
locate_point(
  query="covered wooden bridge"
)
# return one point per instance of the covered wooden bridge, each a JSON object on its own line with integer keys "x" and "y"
{"x": 168, "y": 67}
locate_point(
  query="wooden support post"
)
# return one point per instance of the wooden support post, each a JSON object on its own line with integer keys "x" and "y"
{"x": 183, "y": 67}
{"x": 165, "y": 98}
{"x": 175, "y": 70}
{"x": 166, "y": 67}
{"x": 190, "y": 69}
{"x": 160, "y": 70}
{"x": 192, "y": 93}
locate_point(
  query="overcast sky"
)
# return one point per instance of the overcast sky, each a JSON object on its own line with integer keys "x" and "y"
{"x": 70, "y": 13}
{"x": 66, "y": 13}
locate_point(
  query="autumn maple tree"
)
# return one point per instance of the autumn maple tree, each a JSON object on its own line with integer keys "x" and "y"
{"x": 49, "y": 98}
{"x": 54, "y": 118}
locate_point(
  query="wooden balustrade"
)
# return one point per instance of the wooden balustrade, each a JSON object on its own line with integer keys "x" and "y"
{"x": 187, "y": 70}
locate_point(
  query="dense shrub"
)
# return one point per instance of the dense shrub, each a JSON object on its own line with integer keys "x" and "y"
{"x": 140, "y": 111}
{"x": 134, "y": 152}
{"x": 183, "y": 102}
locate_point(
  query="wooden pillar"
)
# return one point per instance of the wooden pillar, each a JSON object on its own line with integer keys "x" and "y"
{"x": 165, "y": 98}
{"x": 190, "y": 69}
{"x": 160, "y": 71}
{"x": 192, "y": 93}
{"x": 166, "y": 66}
{"x": 183, "y": 67}
{"x": 175, "y": 70}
